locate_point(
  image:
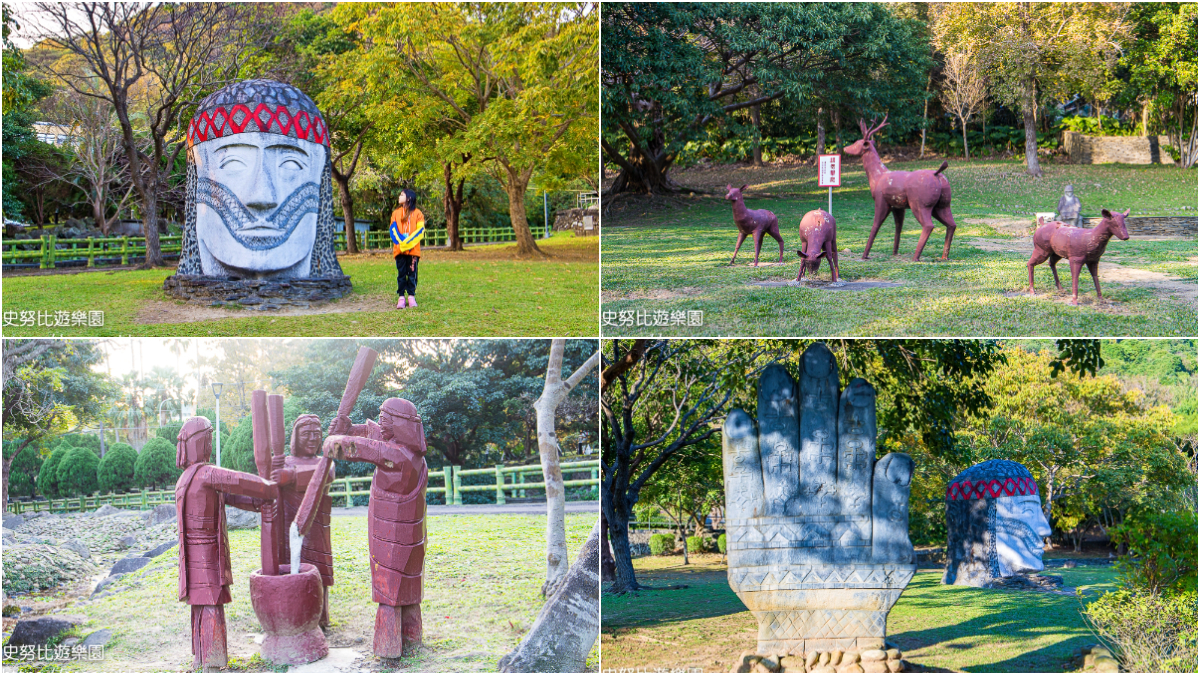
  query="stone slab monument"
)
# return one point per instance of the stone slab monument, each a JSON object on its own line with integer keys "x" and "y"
{"x": 995, "y": 524}
{"x": 817, "y": 529}
{"x": 259, "y": 225}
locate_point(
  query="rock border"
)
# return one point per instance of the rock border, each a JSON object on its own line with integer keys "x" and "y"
{"x": 256, "y": 294}
{"x": 888, "y": 660}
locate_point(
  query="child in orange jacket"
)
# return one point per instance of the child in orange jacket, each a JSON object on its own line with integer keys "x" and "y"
{"x": 407, "y": 229}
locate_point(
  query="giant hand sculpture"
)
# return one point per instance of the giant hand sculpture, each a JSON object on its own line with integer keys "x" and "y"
{"x": 817, "y": 530}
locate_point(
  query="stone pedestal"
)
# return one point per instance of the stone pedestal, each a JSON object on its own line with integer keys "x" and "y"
{"x": 261, "y": 294}
{"x": 289, "y": 608}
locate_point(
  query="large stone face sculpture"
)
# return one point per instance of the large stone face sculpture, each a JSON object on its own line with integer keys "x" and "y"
{"x": 395, "y": 516}
{"x": 817, "y": 529}
{"x": 205, "y": 570}
{"x": 259, "y": 197}
{"x": 995, "y": 524}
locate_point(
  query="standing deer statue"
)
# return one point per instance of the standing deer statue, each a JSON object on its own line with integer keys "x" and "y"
{"x": 926, "y": 192}
{"x": 752, "y": 221}
{"x": 1055, "y": 240}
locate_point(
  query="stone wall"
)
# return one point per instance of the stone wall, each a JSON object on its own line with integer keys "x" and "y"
{"x": 583, "y": 222}
{"x": 1179, "y": 226}
{"x": 1116, "y": 149}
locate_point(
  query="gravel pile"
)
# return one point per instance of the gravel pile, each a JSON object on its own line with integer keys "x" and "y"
{"x": 105, "y": 537}
{"x": 38, "y": 567}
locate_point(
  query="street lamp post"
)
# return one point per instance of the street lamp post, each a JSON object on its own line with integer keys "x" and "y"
{"x": 216, "y": 387}
{"x": 160, "y": 405}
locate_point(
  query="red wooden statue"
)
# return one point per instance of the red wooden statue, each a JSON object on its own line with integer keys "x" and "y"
{"x": 395, "y": 516}
{"x": 752, "y": 221}
{"x": 926, "y": 192}
{"x": 1080, "y": 246}
{"x": 299, "y": 469}
{"x": 818, "y": 237}
{"x": 205, "y": 572}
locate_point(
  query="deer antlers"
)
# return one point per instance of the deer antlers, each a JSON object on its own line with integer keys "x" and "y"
{"x": 868, "y": 130}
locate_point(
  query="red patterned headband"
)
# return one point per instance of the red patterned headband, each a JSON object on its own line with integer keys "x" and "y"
{"x": 995, "y": 487}
{"x": 258, "y": 105}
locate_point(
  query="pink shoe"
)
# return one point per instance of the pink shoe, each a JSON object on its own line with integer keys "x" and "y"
{"x": 400, "y": 304}
{"x": 412, "y": 301}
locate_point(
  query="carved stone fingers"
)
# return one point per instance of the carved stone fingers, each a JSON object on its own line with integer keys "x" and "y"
{"x": 889, "y": 538}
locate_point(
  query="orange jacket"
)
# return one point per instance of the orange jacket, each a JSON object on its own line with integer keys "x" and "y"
{"x": 407, "y": 229}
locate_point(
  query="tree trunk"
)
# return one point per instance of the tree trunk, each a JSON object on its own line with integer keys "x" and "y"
{"x": 518, "y": 182}
{"x": 1031, "y": 159}
{"x": 343, "y": 183}
{"x": 554, "y": 391}
{"x": 618, "y": 530}
{"x": 757, "y": 120}
{"x": 7, "y": 462}
{"x": 820, "y": 131}
{"x": 925, "y": 114}
{"x": 150, "y": 225}
{"x": 453, "y": 206}
{"x": 608, "y": 566}
{"x": 569, "y": 624}
{"x": 98, "y": 216}
{"x": 963, "y": 124}
{"x": 836, "y": 117}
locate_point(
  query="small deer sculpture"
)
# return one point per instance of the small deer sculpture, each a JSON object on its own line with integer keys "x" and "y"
{"x": 926, "y": 192}
{"x": 1054, "y": 240}
{"x": 818, "y": 238}
{"x": 752, "y": 221}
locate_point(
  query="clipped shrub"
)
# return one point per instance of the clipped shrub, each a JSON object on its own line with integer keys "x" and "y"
{"x": 77, "y": 473}
{"x": 169, "y": 432}
{"x": 1148, "y": 633}
{"x": 1162, "y": 552}
{"x": 83, "y": 441}
{"x": 47, "y": 482}
{"x": 155, "y": 466}
{"x": 23, "y": 474}
{"x": 721, "y": 544}
{"x": 662, "y": 544}
{"x": 697, "y": 544}
{"x": 116, "y": 470}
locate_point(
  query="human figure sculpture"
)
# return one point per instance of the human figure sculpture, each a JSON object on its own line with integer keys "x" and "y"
{"x": 752, "y": 221}
{"x": 818, "y": 239}
{"x": 205, "y": 571}
{"x": 1056, "y": 240}
{"x": 995, "y": 524}
{"x": 395, "y": 516}
{"x": 1069, "y": 208}
{"x": 817, "y": 529}
{"x": 299, "y": 469}
{"x": 259, "y": 186}
{"x": 926, "y": 192}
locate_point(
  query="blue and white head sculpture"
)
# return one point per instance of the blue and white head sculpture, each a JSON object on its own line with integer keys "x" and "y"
{"x": 995, "y": 524}
{"x": 259, "y": 188}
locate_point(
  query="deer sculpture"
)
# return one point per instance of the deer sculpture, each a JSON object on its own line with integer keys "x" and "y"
{"x": 1055, "y": 240}
{"x": 818, "y": 238}
{"x": 926, "y": 192}
{"x": 752, "y": 221}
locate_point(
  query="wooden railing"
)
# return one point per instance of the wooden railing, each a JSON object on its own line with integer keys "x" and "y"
{"x": 514, "y": 480}
{"x": 50, "y": 251}
{"x": 374, "y": 240}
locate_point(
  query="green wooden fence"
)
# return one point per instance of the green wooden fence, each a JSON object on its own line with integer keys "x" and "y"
{"x": 373, "y": 240}
{"x": 50, "y": 251}
{"x": 512, "y": 481}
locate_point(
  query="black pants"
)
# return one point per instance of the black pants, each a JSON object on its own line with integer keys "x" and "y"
{"x": 406, "y": 274}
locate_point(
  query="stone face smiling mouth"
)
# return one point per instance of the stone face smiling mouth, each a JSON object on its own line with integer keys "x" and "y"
{"x": 252, "y": 232}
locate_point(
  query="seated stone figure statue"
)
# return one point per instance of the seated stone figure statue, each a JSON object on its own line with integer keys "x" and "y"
{"x": 817, "y": 528}
{"x": 1069, "y": 208}
{"x": 995, "y": 524}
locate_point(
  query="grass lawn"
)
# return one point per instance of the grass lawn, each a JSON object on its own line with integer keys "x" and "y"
{"x": 672, "y": 254}
{"x": 483, "y": 575}
{"x": 942, "y": 628}
{"x": 483, "y": 291}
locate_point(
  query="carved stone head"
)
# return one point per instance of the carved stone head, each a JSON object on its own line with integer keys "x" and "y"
{"x": 194, "y": 443}
{"x": 306, "y": 436}
{"x": 995, "y": 524}
{"x": 402, "y": 424}
{"x": 259, "y": 200}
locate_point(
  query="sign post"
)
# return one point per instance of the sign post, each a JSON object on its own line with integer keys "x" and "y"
{"x": 829, "y": 174}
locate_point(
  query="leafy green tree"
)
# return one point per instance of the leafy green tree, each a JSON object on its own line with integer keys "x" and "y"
{"x": 155, "y": 465}
{"x": 170, "y": 432}
{"x": 1033, "y": 51}
{"x": 514, "y": 82}
{"x": 687, "y": 488}
{"x": 89, "y": 441}
{"x": 77, "y": 473}
{"x": 117, "y": 467}
{"x": 22, "y": 482}
{"x": 47, "y": 481}
{"x": 21, "y": 92}
{"x": 49, "y": 387}
{"x": 671, "y": 70}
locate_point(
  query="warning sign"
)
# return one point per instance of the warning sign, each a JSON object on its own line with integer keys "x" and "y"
{"x": 829, "y": 171}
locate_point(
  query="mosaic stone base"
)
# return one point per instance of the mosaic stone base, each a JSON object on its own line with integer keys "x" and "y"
{"x": 258, "y": 294}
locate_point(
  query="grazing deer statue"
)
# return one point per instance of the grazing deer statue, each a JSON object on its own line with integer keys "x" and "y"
{"x": 1055, "y": 240}
{"x": 756, "y": 222}
{"x": 926, "y": 192}
{"x": 818, "y": 238}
